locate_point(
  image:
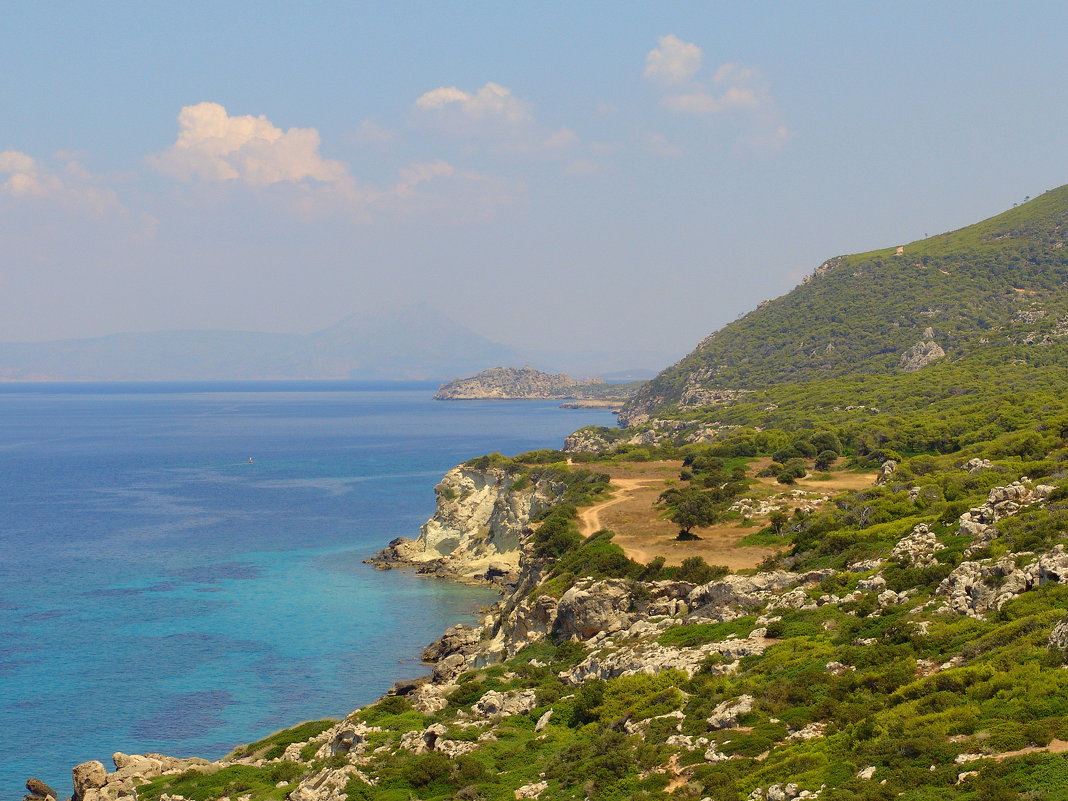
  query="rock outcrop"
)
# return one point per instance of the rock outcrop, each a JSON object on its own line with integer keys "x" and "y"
{"x": 974, "y": 588}
{"x": 917, "y": 549}
{"x": 477, "y": 529}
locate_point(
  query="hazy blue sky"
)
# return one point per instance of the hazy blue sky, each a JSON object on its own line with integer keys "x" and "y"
{"x": 613, "y": 174}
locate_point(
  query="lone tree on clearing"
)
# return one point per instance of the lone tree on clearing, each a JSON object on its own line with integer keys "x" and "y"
{"x": 689, "y": 508}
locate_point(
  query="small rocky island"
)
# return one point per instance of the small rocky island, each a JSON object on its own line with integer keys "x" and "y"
{"x": 527, "y": 383}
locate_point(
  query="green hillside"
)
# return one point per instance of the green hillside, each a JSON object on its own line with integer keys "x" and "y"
{"x": 903, "y": 636}
{"x": 998, "y": 283}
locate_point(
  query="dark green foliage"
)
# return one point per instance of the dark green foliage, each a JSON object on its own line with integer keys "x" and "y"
{"x": 694, "y": 634}
{"x": 865, "y": 310}
{"x": 233, "y": 781}
{"x": 825, "y": 459}
{"x": 689, "y": 508}
{"x": 696, "y": 570}
{"x": 274, "y": 746}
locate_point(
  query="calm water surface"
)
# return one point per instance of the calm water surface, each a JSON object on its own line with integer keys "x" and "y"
{"x": 160, "y": 592}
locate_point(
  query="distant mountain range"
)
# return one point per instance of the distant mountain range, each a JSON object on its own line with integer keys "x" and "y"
{"x": 416, "y": 342}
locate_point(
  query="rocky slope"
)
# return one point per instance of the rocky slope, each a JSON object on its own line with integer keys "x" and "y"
{"x": 697, "y": 665}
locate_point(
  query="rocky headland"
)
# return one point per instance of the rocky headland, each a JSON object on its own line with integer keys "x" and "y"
{"x": 526, "y": 383}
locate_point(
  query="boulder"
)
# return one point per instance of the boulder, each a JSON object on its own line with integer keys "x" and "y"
{"x": 974, "y": 588}
{"x": 917, "y": 548}
{"x": 1058, "y": 638}
{"x": 502, "y": 705}
{"x": 531, "y": 790}
{"x": 745, "y": 592}
{"x": 725, "y": 715}
{"x": 591, "y": 607}
{"x": 38, "y": 791}
{"x": 920, "y": 355}
{"x": 88, "y": 776}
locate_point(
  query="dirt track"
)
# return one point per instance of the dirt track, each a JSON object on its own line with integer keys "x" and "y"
{"x": 590, "y": 518}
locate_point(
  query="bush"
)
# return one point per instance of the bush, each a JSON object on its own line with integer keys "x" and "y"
{"x": 696, "y": 570}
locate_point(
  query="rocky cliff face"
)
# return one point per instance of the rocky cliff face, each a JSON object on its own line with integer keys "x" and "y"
{"x": 477, "y": 530}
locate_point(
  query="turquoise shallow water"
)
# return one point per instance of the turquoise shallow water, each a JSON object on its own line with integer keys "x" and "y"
{"x": 158, "y": 592}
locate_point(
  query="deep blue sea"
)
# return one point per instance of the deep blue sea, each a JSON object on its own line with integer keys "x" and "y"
{"x": 160, "y": 592}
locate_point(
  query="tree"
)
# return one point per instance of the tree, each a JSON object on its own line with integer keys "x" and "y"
{"x": 825, "y": 459}
{"x": 689, "y": 508}
{"x": 778, "y": 520}
{"x": 827, "y": 441}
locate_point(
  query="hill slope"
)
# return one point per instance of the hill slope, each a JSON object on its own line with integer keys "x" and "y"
{"x": 1000, "y": 282}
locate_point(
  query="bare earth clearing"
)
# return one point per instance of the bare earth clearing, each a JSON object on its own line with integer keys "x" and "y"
{"x": 643, "y": 535}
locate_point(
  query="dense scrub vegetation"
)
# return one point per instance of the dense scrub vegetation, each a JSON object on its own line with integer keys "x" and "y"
{"x": 1000, "y": 282}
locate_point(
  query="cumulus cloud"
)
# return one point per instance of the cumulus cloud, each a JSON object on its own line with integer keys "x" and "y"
{"x": 672, "y": 61}
{"x": 214, "y": 146}
{"x": 674, "y": 66}
{"x": 22, "y": 177}
{"x": 492, "y": 102}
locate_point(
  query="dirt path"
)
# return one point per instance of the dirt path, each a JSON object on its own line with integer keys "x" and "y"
{"x": 1055, "y": 747}
{"x": 590, "y": 518}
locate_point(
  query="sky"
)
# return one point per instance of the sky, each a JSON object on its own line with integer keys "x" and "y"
{"x": 566, "y": 175}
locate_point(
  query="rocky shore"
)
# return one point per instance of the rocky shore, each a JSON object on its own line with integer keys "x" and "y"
{"x": 482, "y": 531}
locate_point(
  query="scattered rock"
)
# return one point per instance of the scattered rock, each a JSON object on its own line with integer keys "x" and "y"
{"x": 502, "y": 705}
{"x": 920, "y": 355}
{"x": 531, "y": 790}
{"x": 725, "y": 715}
{"x": 974, "y": 588}
{"x": 917, "y": 549}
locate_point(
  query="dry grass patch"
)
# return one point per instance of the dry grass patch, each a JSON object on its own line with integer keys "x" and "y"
{"x": 631, "y": 513}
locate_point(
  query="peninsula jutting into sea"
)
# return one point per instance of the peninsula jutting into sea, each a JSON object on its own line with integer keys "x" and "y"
{"x": 823, "y": 557}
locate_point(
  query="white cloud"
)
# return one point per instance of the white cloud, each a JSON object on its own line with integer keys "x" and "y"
{"x": 213, "y": 146}
{"x": 675, "y": 67}
{"x": 673, "y": 61}
{"x": 704, "y": 102}
{"x": 420, "y": 173}
{"x": 22, "y": 177}
{"x": 492, "y": 102}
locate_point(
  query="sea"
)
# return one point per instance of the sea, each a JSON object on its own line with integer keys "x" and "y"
{"x": 181, "y": 563}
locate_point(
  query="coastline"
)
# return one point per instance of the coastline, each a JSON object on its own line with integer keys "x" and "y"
{"x": 260, "y": 704}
